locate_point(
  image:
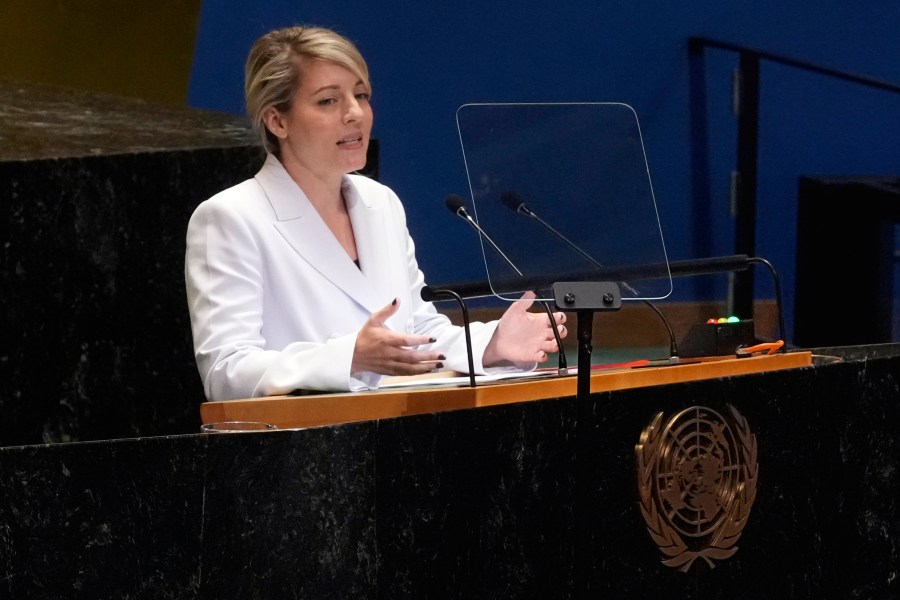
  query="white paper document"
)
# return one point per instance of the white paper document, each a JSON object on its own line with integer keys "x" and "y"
{"x": 453, "y": 378}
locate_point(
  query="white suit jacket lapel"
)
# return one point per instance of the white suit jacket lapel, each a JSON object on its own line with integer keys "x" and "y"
{"x": 306, "y": 232}
{"x": 373, "y": 244}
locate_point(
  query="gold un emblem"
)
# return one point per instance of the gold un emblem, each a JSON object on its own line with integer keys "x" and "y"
{"x": 696, "y": 479}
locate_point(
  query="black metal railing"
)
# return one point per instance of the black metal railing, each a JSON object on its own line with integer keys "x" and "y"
{"x": 744, "y": 179}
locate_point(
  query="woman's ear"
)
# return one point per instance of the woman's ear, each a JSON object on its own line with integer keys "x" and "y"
{"x": 275, "y": 122}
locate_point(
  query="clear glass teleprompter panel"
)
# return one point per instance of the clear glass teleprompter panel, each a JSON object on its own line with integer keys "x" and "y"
{"x": 563, "y": 190}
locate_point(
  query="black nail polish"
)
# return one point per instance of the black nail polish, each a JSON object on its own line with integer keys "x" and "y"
{"x": 394, "y": 302}
{"x": 442, "y": 357}
{"x": 431, "y": 340}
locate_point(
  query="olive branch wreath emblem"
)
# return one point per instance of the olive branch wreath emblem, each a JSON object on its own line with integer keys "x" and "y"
{"x": 734, "y": 501}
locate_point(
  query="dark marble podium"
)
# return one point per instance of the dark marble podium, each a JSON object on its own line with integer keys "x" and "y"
{"x": 96, "y": 193}
{"x": 526, "y": 500}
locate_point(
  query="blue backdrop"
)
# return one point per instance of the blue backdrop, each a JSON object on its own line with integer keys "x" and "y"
{"x": 426, "y": 59}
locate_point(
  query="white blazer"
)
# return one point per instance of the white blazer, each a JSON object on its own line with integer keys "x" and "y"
{"x": 275, "y": 301}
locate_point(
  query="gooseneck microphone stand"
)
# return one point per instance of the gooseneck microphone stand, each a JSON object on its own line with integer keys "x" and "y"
{"x": 457, "y": 206}
{"x": 515, "y": 203}
{"x": 444, "y": 294}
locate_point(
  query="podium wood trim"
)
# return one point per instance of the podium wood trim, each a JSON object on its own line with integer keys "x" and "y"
{"x": 291, "y": 412}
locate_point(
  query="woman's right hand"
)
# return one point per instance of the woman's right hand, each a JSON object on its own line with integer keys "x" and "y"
{"x": 385, "y": 352}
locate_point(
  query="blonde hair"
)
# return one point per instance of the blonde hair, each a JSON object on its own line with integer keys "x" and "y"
{"x": 274, "y": 70}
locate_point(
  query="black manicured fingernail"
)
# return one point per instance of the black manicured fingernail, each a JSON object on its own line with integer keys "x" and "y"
{"x": 394, "y": 302}
{"x": 439, "y": 365}
{"x": 442, "y": 357}
{"x": 431, "y": 340}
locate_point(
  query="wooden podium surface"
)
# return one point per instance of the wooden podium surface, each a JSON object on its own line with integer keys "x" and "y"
{"x": 289, "y": 412}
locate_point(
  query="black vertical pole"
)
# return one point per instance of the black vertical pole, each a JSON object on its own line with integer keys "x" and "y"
{"x": 700, "y": 191}
{"x": 585, "y": 349}
{"x": 745, "y": 192}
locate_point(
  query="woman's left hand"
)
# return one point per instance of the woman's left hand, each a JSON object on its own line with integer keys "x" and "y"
{"x": 522, "y": 336}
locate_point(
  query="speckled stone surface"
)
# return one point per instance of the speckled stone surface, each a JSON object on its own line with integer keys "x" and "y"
{"x": 96, "y": 193}
{"x": 102, "y": 520}
{"x": 43, "y": 122}
{"x": 528, "y": 500}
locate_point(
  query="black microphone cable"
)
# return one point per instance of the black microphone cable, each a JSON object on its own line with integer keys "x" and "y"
{"x": 457, "y": 206}
{"x": 515, "y": 203}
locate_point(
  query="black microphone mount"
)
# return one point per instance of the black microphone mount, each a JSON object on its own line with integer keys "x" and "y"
{"x": 600, "y": 297}
{"x": 682, "y": 268}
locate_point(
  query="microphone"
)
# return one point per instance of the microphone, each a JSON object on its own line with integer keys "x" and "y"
{"x": 457, "y": 206}
{"x": 515, "y": 203}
